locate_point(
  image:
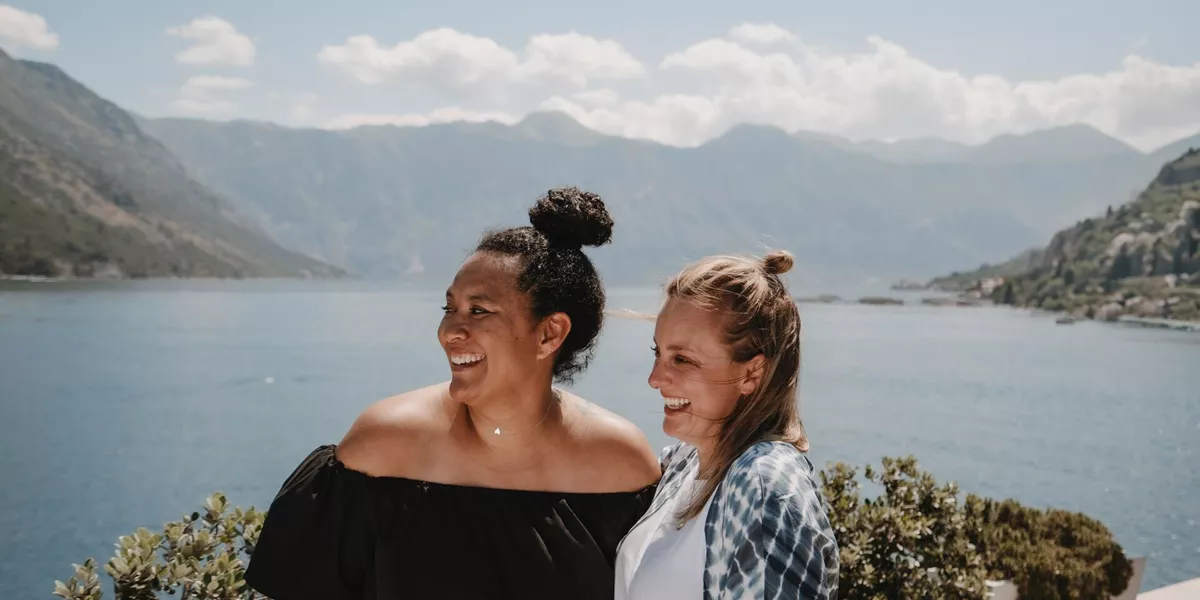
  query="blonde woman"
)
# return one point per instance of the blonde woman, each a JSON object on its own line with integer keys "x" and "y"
{"x": 738, "y": 512}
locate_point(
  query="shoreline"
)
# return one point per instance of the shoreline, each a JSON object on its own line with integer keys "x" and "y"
{"x": 960, "y": 299}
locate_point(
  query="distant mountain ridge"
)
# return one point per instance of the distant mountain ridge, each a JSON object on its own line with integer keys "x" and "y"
{"x": 400, "y": 201}
{"x": 1070, "y": 143}
{"x": 85, "y": 192}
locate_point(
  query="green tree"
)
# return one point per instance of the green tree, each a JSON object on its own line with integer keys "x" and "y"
{"x": 1122, "y": 265}
{"x": 910, "y": 542}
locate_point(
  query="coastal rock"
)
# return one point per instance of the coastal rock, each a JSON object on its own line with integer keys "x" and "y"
{"x": 1145, "y": 307}
{"x": 1188, "y": 211}
{"x": 880, "y": 301}
{"x": 1121, "y": 242}
{"x": 1109, "y": 312}
{"x": 822, "y": 299}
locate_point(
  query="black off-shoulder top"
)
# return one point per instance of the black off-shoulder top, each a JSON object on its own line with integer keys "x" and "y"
{"x": 333, "y": 533}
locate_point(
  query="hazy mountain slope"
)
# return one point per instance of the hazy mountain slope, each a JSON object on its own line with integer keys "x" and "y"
{"x": 1173, "y": 150}
{"x": 964, "y": 280}
{"x": 386, "y": 200}
{"x": 1072, "y": 143}
{"x": 1057, "y": 145}
{"x": 917, "y": 150}
{"x": 86, "y": 192}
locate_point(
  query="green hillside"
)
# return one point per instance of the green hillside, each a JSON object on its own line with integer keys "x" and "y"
{"x": 1141, "y": 259}
{"x": 84, "y": 192}
{"x": 959, "y": 281}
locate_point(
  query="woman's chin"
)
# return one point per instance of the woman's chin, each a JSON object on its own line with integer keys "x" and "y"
{"x": 464, "y": 390}
{"x": 673, "y": 423}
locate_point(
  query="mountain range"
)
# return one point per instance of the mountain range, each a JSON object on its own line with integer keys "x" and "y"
{"x": 1070, "y": 143}
{"x": 388, "y": 201}
{"x": 391, "y": 201}
{"x": 85, "y": 192}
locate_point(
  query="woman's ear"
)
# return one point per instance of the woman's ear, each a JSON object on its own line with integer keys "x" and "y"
{"x": 552, "y": 333}
{"x": 752, "y": 377}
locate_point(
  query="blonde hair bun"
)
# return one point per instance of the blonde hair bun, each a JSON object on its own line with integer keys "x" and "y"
{"x": 778, "y": 262}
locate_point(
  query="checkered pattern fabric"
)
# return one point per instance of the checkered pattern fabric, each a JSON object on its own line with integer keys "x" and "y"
{"x": 766, "y": 531}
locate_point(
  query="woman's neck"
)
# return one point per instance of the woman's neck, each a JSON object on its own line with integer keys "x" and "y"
{"x": 516, "y": 420}
{"x": 704, "y": 451}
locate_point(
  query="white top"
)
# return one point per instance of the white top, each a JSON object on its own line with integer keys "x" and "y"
{"x": 656, "y": 561}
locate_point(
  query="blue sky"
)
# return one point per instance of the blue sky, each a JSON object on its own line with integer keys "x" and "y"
{"x": 672, "y": 71}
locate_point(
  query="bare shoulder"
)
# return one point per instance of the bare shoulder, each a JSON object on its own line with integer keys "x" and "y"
{"x": 391, "y": 435}
{"x": 611, "y": 448}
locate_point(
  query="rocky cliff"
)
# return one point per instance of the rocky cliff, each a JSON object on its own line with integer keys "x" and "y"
{"x": 1140, "y": 259}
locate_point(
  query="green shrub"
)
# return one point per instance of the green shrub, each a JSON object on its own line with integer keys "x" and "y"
{"x": 914, "y": 540}
{"x": 911, "y": 541}
{"x": 198, "y": 557}
{"x": 1048, "y": 554}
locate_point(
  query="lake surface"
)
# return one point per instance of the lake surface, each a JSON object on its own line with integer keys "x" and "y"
{"x": 125, "y": 404}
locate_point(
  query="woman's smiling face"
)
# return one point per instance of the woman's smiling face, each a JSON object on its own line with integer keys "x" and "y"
{"x": 694, "y": 371}
{"x": 488, "y": 332}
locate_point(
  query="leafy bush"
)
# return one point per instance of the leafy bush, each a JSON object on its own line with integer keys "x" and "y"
{"x": 914, "y": 540}
{"x": 1048, "y": 554}
{"x": 199, "y": 557}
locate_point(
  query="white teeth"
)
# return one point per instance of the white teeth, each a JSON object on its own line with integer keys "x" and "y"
{"x": 676, "y": 402}
{"x": 466, "y": 359}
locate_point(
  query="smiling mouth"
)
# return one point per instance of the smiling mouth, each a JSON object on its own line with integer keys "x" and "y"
{"x": 465, "y": 361}
{"x": 674, "y": 403}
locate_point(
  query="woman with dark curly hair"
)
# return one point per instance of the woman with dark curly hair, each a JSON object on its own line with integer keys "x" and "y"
{"x": 494, "y": 484}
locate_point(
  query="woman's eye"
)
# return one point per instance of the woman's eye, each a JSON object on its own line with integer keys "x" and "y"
{"x": 475, "y": 310}
{"x": 683, "y": 361}
{"x": 446, "y": 308}
{"x": 654, "y": 349}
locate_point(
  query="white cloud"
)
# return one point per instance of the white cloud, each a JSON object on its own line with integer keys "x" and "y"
{"x": 441, "y": 115}
{"x": 443, "y": 58}
{"x": 760, "y": 33}
{"x": 600, "y": 97}
{"x": 25, "y": 29}
{"x": 300, "y": 108}
{"x": 573, "y": 58}
{"x": 885, "y": 92}
{"x": 204, "y": 94}
{"x": 676, "y": 119}
{"x": 303, "y": 107}
{"x": 216, "y": 42}
{"x": 461, "y": 63}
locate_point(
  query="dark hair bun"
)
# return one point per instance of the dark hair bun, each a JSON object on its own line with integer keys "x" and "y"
{"x": 572, "y": 218}
{"x": 777, "y": 262}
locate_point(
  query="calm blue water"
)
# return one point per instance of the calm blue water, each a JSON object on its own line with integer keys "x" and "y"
{"x": 124, "y": 405}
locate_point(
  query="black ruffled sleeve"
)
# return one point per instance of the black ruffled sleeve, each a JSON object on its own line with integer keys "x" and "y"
{"x": 317, "y": 541}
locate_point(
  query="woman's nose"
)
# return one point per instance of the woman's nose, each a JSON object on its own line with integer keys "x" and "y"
{"x": 452, "y": 330}
{"x": 658, "y": 376}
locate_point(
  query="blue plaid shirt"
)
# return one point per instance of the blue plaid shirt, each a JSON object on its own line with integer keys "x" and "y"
{"x": 766, "y": 531}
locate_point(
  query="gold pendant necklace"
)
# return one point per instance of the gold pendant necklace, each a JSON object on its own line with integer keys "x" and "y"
{"x": 557, "y": 398}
